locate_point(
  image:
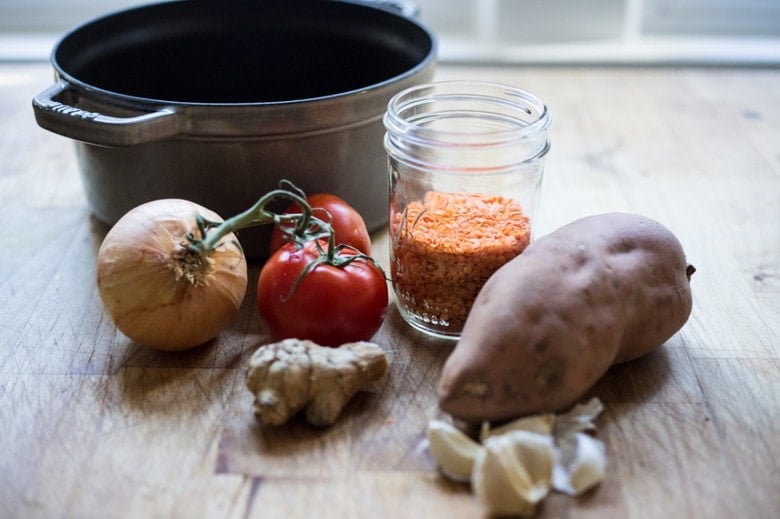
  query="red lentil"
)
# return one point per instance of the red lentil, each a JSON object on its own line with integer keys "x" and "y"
{"x": 447, "y": 246}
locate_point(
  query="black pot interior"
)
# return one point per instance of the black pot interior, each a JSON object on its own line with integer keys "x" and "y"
{"x": 242, "y": 52}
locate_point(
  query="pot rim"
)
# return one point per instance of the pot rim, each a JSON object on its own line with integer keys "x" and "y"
{"x": 133, "y": 102}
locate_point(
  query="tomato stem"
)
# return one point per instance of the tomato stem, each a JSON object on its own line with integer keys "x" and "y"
{"x": 307, "y": 227}
{"x": 333, "y": 257}
{"x": 212, "y": 232}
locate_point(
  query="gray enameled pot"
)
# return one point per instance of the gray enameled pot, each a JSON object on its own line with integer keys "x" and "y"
{"x": 217, "y": 102}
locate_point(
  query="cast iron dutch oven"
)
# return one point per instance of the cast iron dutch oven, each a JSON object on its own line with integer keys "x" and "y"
{"x": 216, "y": 102}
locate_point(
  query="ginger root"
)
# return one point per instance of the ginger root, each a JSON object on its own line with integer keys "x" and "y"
{"x": 291, "y": 375}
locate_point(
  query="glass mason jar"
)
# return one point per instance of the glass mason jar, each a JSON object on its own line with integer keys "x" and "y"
{"x": 465, "y": 163}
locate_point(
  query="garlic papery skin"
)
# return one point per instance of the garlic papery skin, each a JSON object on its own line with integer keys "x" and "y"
{"x": 580, "y": 418}
{"x": 452, "y": 449}
{"x": 580, "y": 459}
{"x": 513, "y": 472}
{"x": 581, "y": 463}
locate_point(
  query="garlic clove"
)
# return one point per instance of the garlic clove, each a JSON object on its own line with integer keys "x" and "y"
{"x": 452, "y": 449}
{"x": 580, "y": 464}
{"x": 513, "y": 472}
{"x": 540, "y": 423}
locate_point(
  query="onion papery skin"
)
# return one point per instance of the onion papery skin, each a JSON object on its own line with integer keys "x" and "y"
{"x": 139, "y": 286}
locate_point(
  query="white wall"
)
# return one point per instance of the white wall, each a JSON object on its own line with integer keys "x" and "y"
{"x": 607, "y": 31}
{"x": 508, "y": 31}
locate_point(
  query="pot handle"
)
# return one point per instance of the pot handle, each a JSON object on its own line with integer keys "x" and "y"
{"x": 97, "y": 128}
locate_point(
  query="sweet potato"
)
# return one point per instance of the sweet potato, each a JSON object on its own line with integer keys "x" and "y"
{"x": 549, "y": 324}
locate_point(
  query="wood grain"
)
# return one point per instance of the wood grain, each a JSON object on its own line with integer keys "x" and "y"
{"x": 92, "y": 425}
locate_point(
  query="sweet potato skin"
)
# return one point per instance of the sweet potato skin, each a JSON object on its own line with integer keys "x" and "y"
{"x": 549, "y": 324}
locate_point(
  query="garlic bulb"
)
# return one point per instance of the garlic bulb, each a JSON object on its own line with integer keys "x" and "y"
{"x": 518, "y": 463}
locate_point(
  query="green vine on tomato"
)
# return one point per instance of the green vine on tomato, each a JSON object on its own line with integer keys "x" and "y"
{"x": 257, "y": 214}
{"x": 325, "y": 319}
{"x": 332, "y": 255}
{"x": 313, "y": 288}
{"x": 306, "y": 228}
{"x": 346, "y": 222}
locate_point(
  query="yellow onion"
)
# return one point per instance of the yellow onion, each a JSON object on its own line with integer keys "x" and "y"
{"x": 160, "y": 285}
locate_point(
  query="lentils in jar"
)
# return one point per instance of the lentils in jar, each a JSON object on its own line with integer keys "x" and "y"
{"x": 445, "y": 247}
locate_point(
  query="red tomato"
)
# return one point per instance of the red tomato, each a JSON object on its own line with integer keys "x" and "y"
{"x": 331, "y": 305}
{"x": 348, "y": 226}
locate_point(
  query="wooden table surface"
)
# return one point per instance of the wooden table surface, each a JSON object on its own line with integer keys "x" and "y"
{"x": 92, "y": 425}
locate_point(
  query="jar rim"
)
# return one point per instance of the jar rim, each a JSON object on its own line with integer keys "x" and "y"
{"x": 498, "y": 94}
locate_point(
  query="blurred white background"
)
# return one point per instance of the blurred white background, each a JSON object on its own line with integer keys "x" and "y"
{"x": 743, "y": 32}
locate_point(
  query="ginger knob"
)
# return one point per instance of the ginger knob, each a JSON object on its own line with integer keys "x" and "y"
{"x": 293, "y": 375}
